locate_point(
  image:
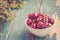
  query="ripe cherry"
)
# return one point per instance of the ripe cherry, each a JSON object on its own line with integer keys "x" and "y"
{"x": 51, "y": 20}
{"x": 39, "y": 25}
{"x": 29, "y": 22}
{"x": 39, "y": 18}
{"x": 33, "y": 25}
{"x": 32, "y": 15}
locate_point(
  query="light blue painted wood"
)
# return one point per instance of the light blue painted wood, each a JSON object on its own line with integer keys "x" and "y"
{"x": 19, "y": 30}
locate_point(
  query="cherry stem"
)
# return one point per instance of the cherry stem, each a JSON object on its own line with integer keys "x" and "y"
{"x": 40, "y": 6}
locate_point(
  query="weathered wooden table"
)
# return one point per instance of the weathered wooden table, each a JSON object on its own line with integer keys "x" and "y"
{"x": 19, "y": 30}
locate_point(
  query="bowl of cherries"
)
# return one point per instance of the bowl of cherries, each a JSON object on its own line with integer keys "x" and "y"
{"x": 39, "y": 24}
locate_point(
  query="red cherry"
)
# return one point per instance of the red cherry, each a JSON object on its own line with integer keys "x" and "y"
{"x": 29, "y": 21}
{"x": 39, "y": 25}
{"x": 39, "y": 18}
{"x": 32, "y": 15}
{"x": 34, "y": 20}
{"x": 40, "y": 14}
{"x": 45, "y": 25}
{"x": 33, "y": 25}
{"x": 51, "y": 20}
{"x": 45, "y": 19}
{"x": 49, "y": 24}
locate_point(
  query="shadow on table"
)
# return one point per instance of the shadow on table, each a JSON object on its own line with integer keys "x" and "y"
{"x": 26, "y": 35}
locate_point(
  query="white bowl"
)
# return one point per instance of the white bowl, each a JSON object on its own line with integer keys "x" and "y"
{"x": 40, "y": 32}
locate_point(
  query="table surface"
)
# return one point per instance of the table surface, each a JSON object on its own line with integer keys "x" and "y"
{"x": 19, "y": 30}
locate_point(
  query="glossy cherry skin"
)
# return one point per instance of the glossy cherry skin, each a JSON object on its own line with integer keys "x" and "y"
{"x": 29, "y": 22}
